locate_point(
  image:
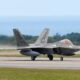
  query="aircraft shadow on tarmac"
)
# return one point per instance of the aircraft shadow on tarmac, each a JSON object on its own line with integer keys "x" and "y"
{"x": 42, "y": 60}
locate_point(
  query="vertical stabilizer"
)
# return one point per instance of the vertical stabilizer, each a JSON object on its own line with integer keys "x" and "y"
{"x": 43, "y": 38}
{"x": 21, "y": 42}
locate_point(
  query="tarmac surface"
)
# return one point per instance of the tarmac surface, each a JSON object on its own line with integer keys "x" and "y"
{"x": 40, "y": 63}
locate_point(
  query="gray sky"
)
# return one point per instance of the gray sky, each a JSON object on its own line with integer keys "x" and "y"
{"x": 39, "y": 7}
{"x": 31, "y": 16}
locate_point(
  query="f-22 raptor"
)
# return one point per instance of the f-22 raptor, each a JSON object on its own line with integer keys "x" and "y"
{"x": 63, "y": 47}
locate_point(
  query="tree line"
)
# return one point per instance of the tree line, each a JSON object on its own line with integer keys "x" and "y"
{"x": 74, "y": 37}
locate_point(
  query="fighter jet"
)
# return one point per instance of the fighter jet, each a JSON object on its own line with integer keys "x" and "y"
{"x": 41, "y": 46}
{"x": 63, "y": 47}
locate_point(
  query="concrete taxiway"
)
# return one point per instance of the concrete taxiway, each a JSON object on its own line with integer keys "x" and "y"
{"x": 43, "y": 63}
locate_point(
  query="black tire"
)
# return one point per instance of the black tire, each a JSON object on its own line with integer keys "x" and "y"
{"x": 33, "y": 58}
{"x": 50, "y": 57}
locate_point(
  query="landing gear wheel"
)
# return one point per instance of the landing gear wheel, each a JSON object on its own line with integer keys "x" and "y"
{"x": 50, "y": 57}
{"x": 33, "y": 58}
{"x": 61, "y": 58}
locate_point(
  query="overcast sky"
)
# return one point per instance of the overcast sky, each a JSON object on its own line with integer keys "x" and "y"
{"x": 39, "y": 7}
{"x": 60, "y": 16}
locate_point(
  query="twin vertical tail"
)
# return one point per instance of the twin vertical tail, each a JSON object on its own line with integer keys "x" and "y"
{"x": 21, "y": 42}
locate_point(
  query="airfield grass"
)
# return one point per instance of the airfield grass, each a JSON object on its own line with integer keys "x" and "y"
{"x": 38, "y": 74}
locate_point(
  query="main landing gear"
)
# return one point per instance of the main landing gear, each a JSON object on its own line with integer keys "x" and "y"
{"x": 33, "y": 58}
{"x": 50, "y": 57}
